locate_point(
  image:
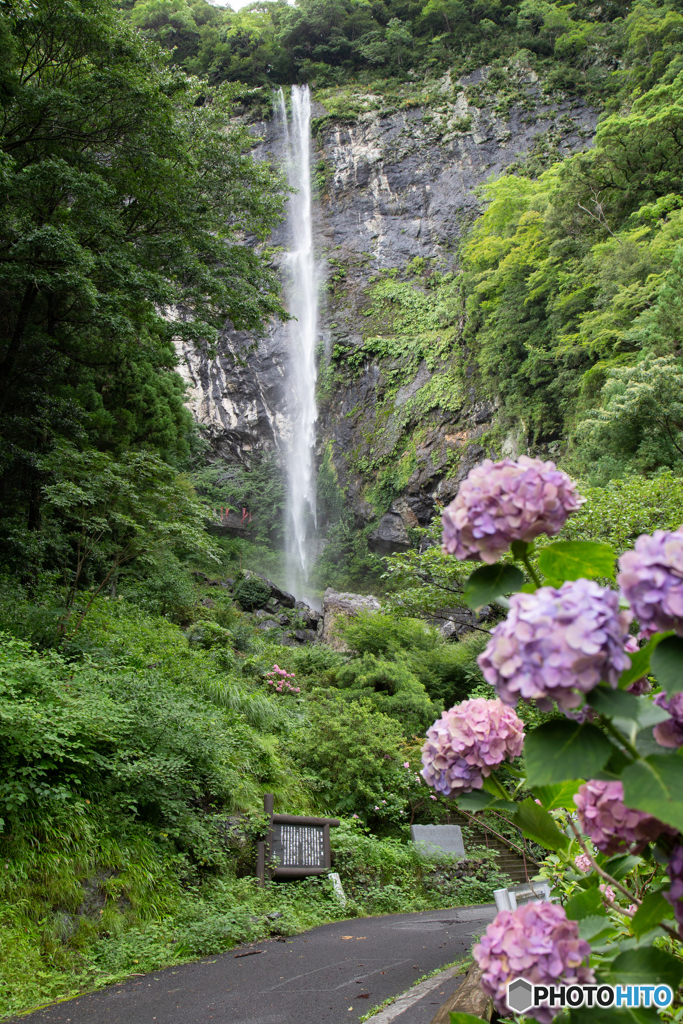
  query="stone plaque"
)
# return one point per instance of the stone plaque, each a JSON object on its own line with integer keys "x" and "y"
{"x": 438, "y": 838}
{"x": 299, "y": 846}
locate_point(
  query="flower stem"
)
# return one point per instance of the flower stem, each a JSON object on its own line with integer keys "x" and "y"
{"x": 530, "y": 570}
{"x": 613, "y": 731}
{"x": 596, "y": 867}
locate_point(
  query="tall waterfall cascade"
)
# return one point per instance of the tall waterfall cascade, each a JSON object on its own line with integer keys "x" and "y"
{"x": 301, "y": 294}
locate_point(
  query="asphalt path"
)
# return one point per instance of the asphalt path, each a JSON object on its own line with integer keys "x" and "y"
{"x": 332, "y": 974}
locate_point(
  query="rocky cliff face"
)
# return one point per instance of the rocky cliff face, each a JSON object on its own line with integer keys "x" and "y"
{"x": 396, "y": 188}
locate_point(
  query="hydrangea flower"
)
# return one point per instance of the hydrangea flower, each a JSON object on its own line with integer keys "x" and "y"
{"x": 651, "y": 579}
{"x": 500, "y": 502}
{"x": 608, "y": 893}
{"x": 467, "y": 742}
{"x": 558, "y": 644}
{"x": 536, "y": 942}
{"x": 612, "y": 826}
{"x": 675, "y": 894}
{"x": 582, "y": 862}
{"x": 670, "y": 732}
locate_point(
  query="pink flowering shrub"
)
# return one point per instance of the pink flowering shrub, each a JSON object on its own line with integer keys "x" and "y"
{"x": 536, "y": 942}
{"x": 670, "y": 733}
{"x": 610, "y": 825}
{"x": 608, "y": 893}
{"x": 500, "y": 502}
{"x": 278, "y": 678}
{"x": 651, "y": 580}
{"x": 582, "y": 862}
{"x": 557, "y": 644}
{"x": 467, "y": 742}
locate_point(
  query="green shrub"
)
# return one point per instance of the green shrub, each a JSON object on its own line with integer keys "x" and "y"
{"x": 391, "y": 688}
{"x": 251, "y": 592}
{"x": 387, "y": 635}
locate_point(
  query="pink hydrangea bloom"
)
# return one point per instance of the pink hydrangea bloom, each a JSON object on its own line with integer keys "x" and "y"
{"x": 651, "y": 579}
{"x": 536, "y": 942}
{"x": 608, "y": 893}
{"x": 406, "y": 764}
{"x": 611, "y": 826}
{"x": 557, "y": 644}
{"x": 504, "y": 501}
{"x": 670, "y": 732}
{"x": 675, "y": 894}
{"x": 467, "y": 742}
{"x": 582, "y": 862}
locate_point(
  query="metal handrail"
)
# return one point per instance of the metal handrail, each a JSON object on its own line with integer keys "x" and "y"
{"x": 508, "y": 842}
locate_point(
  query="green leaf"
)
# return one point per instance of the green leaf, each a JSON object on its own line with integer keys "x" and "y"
{"x": 575, "y": 559}
{"x": 651, "y": 911}
{"x": 646, "y": 966}
{"x": 620, "y": 866}
{"x": 493, "y": 786}
{"x": 594, "y": 926}
{"x": 490, "y": 582}
{"x": 561, "y": 750}
{"x": 666, "y": 662}
{"x": 586, "y": 904}
{"x": 536, "y": 824}
{"x": 640, "y": 663}
{"x": 614, "y": 703}
{"x": 625, "y": 1015}
{"x": 655, "y": 785}
{"x": 474, "y": 801}
{"x": 560, "y": 795}
{"x": 465, "y": 1018}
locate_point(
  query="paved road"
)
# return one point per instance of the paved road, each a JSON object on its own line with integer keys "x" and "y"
{"x": 332, "y": 974}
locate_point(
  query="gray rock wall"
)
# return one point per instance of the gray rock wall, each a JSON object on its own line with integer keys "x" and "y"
{"x": 398, "y": 184}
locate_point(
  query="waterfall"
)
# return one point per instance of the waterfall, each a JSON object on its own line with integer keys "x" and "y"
{"x": 301, "y": 294}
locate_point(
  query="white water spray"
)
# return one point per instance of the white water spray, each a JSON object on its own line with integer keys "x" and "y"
{"x": 301, "y": 288}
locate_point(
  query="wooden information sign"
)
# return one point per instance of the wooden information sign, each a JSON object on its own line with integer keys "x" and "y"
{"x": 296, "y": 846}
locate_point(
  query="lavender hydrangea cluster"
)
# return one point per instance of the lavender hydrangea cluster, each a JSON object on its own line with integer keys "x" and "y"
{"x": 557, "y": 644}
{"x": 651, "y": 579}
{"x": 536, "y": 942}
{"x": 670, "y": 732}
{"x": 611, "y": 826}
{"x": 467, "y": 742}
{"x": 500, "y": 502}
{"x": 675, "y": 894}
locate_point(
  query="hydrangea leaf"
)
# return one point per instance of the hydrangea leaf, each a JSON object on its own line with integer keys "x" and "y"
{"x": 614, "y": 703}
{"x": 537, "y": 825}
{"x": 651, "y": 911}
{"x": 666, "y": 662}
{"x": 625, "y": 1015}
{"x": 595, "y": 926}
{"x": 475, "y": 801}
{"x": 561, "y": 750}
{"x": 621, "y": 865}
{"x": 587, "y": 903}
{"x": 646, "y": 966}
{"x": 640, "y": 664}
{"x": 655, "y": 785}
{"x": 560, "y": 795}
{"x": 490, "y": 582}
{"x": 577, "y": 559}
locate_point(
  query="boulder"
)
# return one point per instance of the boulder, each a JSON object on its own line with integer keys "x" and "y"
{"x": 308, "y": 614}
{"x": 336, "y": 604}
{"x": 304, "y": 636}
{"x": 389, "y": 535}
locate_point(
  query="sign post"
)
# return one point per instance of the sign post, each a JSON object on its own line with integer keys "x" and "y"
{"x": 296, "y": 846}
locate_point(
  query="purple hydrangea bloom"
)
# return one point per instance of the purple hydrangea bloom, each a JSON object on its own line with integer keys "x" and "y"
{"x": 536, "y": 942}
{"x": 557, "y": 644}
{"x": 651, "y": 579}
{"x": 675, "y": 894}
{"x": 670, "y": 733}
{"x": 504, "y": 501}
{"x": 610, "y": 825}
{"x": 467, "y": 742}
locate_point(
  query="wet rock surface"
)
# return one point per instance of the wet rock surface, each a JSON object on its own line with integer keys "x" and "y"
{"x": 398, "y": 184}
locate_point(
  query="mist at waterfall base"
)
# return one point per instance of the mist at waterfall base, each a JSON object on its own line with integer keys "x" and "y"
{"x": 301, "y": 295}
